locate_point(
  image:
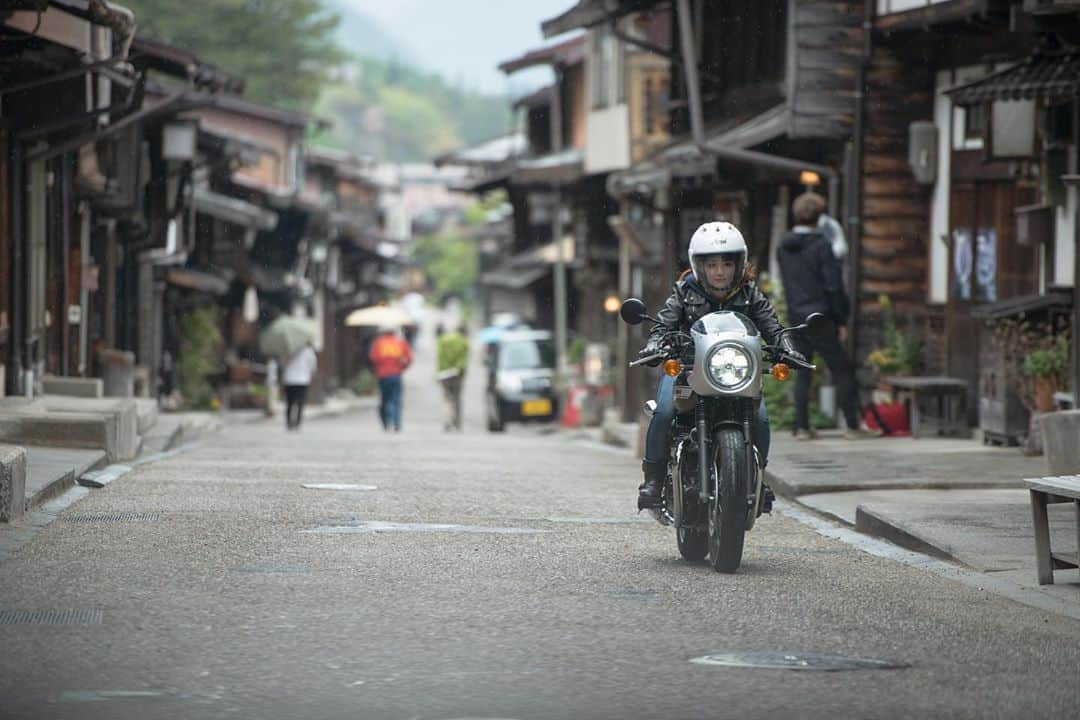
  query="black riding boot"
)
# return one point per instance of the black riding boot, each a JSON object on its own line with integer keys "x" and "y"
{"x": 651, "y": 492}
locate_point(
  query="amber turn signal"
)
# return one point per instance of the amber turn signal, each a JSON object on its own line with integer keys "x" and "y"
{"x": 781, "y": 372}
{"x": 672, "y": 368}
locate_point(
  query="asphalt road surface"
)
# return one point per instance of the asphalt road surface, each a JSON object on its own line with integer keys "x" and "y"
{"x": 485, "y": 576}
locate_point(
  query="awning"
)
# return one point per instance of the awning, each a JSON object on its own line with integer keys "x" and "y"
{"x": 588, "y": 13}
{"x": 685, "y": 156}
{"x": 540, "y": 96}
{"x": 511, "y": 278}
{"x": 562, "y": 167}
{"x": 731, "y": 143}
{"x": 1022, "y": 305}
{"x": 234, "y": 210}
{"x": 205, "y": 281}
{"x": 1049, "y": 76}
{"x": 568, "y": 52}
{"x": 491, "y": 152}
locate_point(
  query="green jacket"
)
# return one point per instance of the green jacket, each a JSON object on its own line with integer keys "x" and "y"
{"x": 453, "y": 352}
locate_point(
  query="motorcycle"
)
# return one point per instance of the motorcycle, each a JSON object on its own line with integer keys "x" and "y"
{"x": 714, "y": 491}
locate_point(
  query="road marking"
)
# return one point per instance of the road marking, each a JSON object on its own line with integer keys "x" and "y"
{"x": 819, "y": 662}
{"x": 337, "y": 486}
{"x": 379, "y": 526}
{"x": 981, "y": 581}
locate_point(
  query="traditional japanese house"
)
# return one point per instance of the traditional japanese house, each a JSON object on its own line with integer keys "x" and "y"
{"x": 970, "y": 137}
{"x": 760, "y": 104}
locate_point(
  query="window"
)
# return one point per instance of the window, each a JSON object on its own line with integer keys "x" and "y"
{"x": 974, "y": 122}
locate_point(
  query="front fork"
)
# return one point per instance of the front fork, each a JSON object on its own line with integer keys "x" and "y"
{"x": 704, "y": 440}
{"x": 704, "y": 466}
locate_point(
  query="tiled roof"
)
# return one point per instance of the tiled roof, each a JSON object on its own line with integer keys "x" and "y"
{"x": 1047, "y": 75}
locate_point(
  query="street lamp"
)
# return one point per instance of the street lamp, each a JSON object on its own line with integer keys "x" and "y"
{"x": 611, "y": 303}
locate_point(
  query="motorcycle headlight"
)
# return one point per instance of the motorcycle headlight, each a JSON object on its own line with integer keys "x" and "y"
{"x": 730, "y": 366}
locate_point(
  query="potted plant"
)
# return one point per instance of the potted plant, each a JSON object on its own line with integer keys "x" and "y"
{"x": 1046, "y": 366}
{"x": 900, "y": 352}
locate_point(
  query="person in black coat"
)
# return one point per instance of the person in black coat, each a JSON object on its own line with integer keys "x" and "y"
{"x": 813, "y": 282}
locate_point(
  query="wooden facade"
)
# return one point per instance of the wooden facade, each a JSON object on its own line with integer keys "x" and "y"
{"x": 824, "y": 50}
{"x": 894, "y": 242}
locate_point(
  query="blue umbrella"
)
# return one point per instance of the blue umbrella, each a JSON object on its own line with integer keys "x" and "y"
{"x": 489, "y": 335}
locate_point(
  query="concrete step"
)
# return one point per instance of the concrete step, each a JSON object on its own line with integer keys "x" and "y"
{"x": 109, "y": 424}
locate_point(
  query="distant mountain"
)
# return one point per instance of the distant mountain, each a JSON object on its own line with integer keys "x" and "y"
{"x": 362, "y": 35}
{"x": 385, "y": 107}
{"x": 391, "y": 111}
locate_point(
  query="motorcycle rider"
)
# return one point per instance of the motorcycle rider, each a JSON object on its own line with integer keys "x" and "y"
{"x": 719, "y": 278}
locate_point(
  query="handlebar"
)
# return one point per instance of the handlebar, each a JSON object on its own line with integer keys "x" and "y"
{"x": 648, "y": 359}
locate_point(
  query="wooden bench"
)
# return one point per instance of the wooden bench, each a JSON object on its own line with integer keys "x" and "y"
{"x": 1046, "y": 491}
{"x": 936, "y": 406}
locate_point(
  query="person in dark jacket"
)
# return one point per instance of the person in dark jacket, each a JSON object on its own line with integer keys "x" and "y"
{"x": 719, "y": 279}
{"x": 813, "y": 282}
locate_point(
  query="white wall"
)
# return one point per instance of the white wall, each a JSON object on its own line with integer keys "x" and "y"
{"x": 607, "y": 139}
{"x": 939, "y": 209}
{"x": 1065, "y": 232}
{"x": 884, "y": 7}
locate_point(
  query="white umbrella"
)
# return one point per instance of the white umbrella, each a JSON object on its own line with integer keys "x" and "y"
{"x": 379, "y": 316}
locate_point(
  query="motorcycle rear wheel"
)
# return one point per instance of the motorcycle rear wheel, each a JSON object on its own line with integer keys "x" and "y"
{"x": 727, "y": 515}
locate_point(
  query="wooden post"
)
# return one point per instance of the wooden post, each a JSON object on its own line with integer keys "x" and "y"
{"x": 1043, "y": 561}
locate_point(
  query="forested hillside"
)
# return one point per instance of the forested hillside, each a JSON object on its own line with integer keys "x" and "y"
{"x": 297, "y": 54}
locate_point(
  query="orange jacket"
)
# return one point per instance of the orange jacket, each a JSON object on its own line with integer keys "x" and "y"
{"x": 390, "y": 355}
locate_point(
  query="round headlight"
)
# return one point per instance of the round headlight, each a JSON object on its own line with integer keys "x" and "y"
{"x": 730, "y": 366}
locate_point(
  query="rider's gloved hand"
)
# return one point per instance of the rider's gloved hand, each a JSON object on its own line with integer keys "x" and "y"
{"x": 651, "y": 348}
{"x": 796, "y": 355}
{"x": 790, "y": 351}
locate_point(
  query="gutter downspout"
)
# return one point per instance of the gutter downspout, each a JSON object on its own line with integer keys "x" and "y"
{"x": 690, "y": 72}
{"x": 854, "y": 221}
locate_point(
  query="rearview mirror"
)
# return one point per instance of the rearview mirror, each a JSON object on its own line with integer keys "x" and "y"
{"x": 632, "y": 311}
{"x": 817, "y": 322}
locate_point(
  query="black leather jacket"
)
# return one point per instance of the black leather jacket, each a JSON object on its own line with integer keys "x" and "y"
{"x": 689, "y": 301}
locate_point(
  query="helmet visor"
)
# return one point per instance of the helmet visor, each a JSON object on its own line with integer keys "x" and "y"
{"x": 719, "y": 272}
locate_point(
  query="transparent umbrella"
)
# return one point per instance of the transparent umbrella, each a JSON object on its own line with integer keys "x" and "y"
{"x": 287, "y": 335}
{"x": 379, "y": 316}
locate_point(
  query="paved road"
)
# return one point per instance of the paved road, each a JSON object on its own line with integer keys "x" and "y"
{"x": 250, "y": 596}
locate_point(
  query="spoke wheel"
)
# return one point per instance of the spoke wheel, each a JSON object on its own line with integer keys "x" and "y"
{"x": 727, "y": 512}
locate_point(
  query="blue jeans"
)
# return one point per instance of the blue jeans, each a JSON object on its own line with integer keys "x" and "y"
{"x": 658, "y": 436}
{"x": 390, "y": 402}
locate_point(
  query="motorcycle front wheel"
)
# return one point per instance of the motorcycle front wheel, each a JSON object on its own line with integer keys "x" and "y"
{"x": 693, "y": 543}
{"x": 727, "y": 516}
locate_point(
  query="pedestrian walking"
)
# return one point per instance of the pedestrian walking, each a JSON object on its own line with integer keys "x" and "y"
{"x": 299, "y": 370}
{"x": 452, "y": 352}
{"x": 390, "y": 355}
{"x": 812, "y": 278}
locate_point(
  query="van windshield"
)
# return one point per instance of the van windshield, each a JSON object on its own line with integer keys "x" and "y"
{"x": 526, "y": 355}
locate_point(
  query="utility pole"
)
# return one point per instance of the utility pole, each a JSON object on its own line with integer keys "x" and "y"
{"x": 559, "y": 285}
{"x": 690, "y": 73}
{"x": 559, "y": 280}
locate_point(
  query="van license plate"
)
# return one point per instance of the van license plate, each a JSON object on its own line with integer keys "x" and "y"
{"x": 533, "y": 408}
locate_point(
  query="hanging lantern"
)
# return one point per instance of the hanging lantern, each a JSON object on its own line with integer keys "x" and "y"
{"x": 251, "y": 304}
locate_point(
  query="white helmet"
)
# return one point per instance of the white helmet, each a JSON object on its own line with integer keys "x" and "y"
{"x": 717, "y": 238}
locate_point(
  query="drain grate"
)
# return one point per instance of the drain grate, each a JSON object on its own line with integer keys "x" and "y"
{"x": 51, "y": 617}
{"x": 114, "y": 517}
{"x": 820, "y": 662}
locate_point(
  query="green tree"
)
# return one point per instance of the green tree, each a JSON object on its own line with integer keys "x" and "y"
{"x": 282, "y": 49}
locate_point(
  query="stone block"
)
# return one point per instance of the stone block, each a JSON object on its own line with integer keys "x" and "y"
{"x": 109, "y": 424}
{"x": 73, "y": 386}
{"x": 118, "y": 372}
{"x": 1061, "y": 440}
{"x": 12, "y": 482}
